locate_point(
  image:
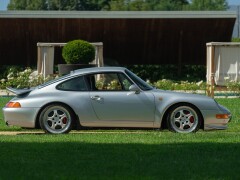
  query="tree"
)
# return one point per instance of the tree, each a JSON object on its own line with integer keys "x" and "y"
{"x": 148, "y": 5}
{"x": 27, "y": 5}
{"x": 208, "y": 5}
{"x": 121, "y": 5}
{"x": 59, "y": 5}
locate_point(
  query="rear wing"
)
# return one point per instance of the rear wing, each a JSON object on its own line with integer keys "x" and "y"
{"x": 19, "y": 92}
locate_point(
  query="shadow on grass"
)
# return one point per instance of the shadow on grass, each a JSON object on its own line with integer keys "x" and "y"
{"x": 73, "y": 160}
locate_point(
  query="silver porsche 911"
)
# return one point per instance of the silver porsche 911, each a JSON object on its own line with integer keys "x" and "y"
{"x": 110, "y": 97}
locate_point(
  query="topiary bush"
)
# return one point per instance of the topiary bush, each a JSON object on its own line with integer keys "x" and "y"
{"x": 78, "y": 52}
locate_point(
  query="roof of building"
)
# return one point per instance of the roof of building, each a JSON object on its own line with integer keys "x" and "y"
{"x": 118, "y": 14}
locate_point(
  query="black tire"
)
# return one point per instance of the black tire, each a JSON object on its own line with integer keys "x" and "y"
{"x": 183, "y": 118}
{"x": 56, "y": 119}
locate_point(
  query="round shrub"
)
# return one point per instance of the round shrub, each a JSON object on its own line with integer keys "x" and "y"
{"x": 78, "y": 52}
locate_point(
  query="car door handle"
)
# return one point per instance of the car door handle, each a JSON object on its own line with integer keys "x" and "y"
{"x": 96, "y": 98}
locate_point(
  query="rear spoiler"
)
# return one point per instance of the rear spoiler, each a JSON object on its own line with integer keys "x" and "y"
{"x": 19, "y": 92}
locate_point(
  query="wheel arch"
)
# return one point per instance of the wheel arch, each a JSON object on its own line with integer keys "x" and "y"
{"x": 164, "y": 117}
{"x": 76, "y": 118}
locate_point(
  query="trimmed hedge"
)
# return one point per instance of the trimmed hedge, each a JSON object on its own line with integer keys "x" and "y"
{"x": 78, "y": 52}
{"x": 153, "y": 73}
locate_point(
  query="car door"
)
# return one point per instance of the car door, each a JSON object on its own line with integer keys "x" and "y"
{"x": 75, "y": 93}
{"x": 112, "y": 100}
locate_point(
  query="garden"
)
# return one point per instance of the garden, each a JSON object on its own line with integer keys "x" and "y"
{"x": 121, "y": 153}
{"x": 191, "y": 80}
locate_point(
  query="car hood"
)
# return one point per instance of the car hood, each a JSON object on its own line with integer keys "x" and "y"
{"x": 179, "y": 94}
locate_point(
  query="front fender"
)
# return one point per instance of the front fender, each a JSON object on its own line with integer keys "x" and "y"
{"x": 165, "y": 100}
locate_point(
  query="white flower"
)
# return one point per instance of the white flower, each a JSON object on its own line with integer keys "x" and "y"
{"x": 21, "y": 73}
{"x": 226, "y": 78}
{"x": 9, "y": 75}
{"x": 10, "y": 78}
{"x": 199, "y": 83}
{"x": 3, "y": 80}
{"x": 28, "y": 70}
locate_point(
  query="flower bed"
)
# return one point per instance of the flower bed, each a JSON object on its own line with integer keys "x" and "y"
{"x": 30, "y": 78}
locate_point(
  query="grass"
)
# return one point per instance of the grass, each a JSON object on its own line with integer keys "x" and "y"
{"x": 124, "y": 154}
{"x": 3, "y": 127}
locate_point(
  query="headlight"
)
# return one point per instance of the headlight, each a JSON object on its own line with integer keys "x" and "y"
{"x": 222, "y": 116}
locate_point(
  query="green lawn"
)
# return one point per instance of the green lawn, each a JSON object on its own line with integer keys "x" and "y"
{"x": 124, "y": 154}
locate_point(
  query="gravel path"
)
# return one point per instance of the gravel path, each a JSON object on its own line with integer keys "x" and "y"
{"x": 13, "y": 133}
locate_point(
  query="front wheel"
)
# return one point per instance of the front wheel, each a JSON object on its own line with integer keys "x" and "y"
{"x": 56, "y": 119}
{"x": 183, "y": 119}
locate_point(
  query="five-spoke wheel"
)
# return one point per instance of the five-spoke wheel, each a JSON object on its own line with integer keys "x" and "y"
{"x": 56, "y": 119}
{"x": 183, "y": 119}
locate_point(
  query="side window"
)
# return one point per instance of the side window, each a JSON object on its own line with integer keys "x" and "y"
{"x": 75, "y": 84}
{"x": 108, "y": 82}
{"x": 125, "y": 82}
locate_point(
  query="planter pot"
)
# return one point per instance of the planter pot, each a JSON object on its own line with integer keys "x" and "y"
{"x": 67, "y": 68}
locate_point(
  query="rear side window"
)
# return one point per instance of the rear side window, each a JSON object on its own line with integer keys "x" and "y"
{"x": 75, "y": 84}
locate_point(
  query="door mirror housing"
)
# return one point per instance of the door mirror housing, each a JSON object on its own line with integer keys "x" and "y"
{"x": 134, "y": 88}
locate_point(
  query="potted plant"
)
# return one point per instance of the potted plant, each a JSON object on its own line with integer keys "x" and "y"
{"x": 77, "y": 54}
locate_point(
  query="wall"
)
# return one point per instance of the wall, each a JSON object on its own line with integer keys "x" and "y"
{"x": 127, "y": 40}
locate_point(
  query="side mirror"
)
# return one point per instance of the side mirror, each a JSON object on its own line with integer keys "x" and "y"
{"x": 134, "y": 88}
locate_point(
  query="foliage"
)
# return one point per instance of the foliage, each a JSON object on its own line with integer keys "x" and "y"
{"x": 208, "y": 5}
{"x": 6, "y": 69}
{"x": 165, "y": 84}
{"x": 113, "y": 5}
{"x": 23, "y": 79}
{"x": 235, "y": 39}
{"x": 59, "y": 5}
{"x": 27, "y": 5}
{"x": 78, "y": 51}
{"x": 153, "y": 73}
{"x": 234, "y": 86}
{"x": 147, "y": 5}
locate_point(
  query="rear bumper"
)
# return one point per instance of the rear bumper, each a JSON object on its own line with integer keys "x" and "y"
{"x": 23, "y": 117}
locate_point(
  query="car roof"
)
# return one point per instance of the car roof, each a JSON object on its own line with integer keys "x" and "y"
{"x": 82, "y": 72}
{"x": 97, "y": 69}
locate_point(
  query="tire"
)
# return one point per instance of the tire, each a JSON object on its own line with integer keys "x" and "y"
{"x": 184, "y": 119}
{"x": 56, "y": 119}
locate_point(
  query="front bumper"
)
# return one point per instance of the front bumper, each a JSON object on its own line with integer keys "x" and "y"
{"x": 23, "y": 117}
{"x": 211, "y": 122}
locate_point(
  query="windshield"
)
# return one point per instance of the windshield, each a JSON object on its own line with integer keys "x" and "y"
{"x": 53, "y": 81}
{"x": 141, "y": 83}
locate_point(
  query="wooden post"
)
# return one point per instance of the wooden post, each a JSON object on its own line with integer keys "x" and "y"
{"x": 100, "y": 53}
{"x": 212, "y": 73}
{"x": 39, "y": 60}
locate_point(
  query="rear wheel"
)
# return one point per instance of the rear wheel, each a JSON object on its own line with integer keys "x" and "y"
{"x": 56, "y": 119}
{"x": 183, "y": 119}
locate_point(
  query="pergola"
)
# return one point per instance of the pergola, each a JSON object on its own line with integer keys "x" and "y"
{"x": 45, "y": 62}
